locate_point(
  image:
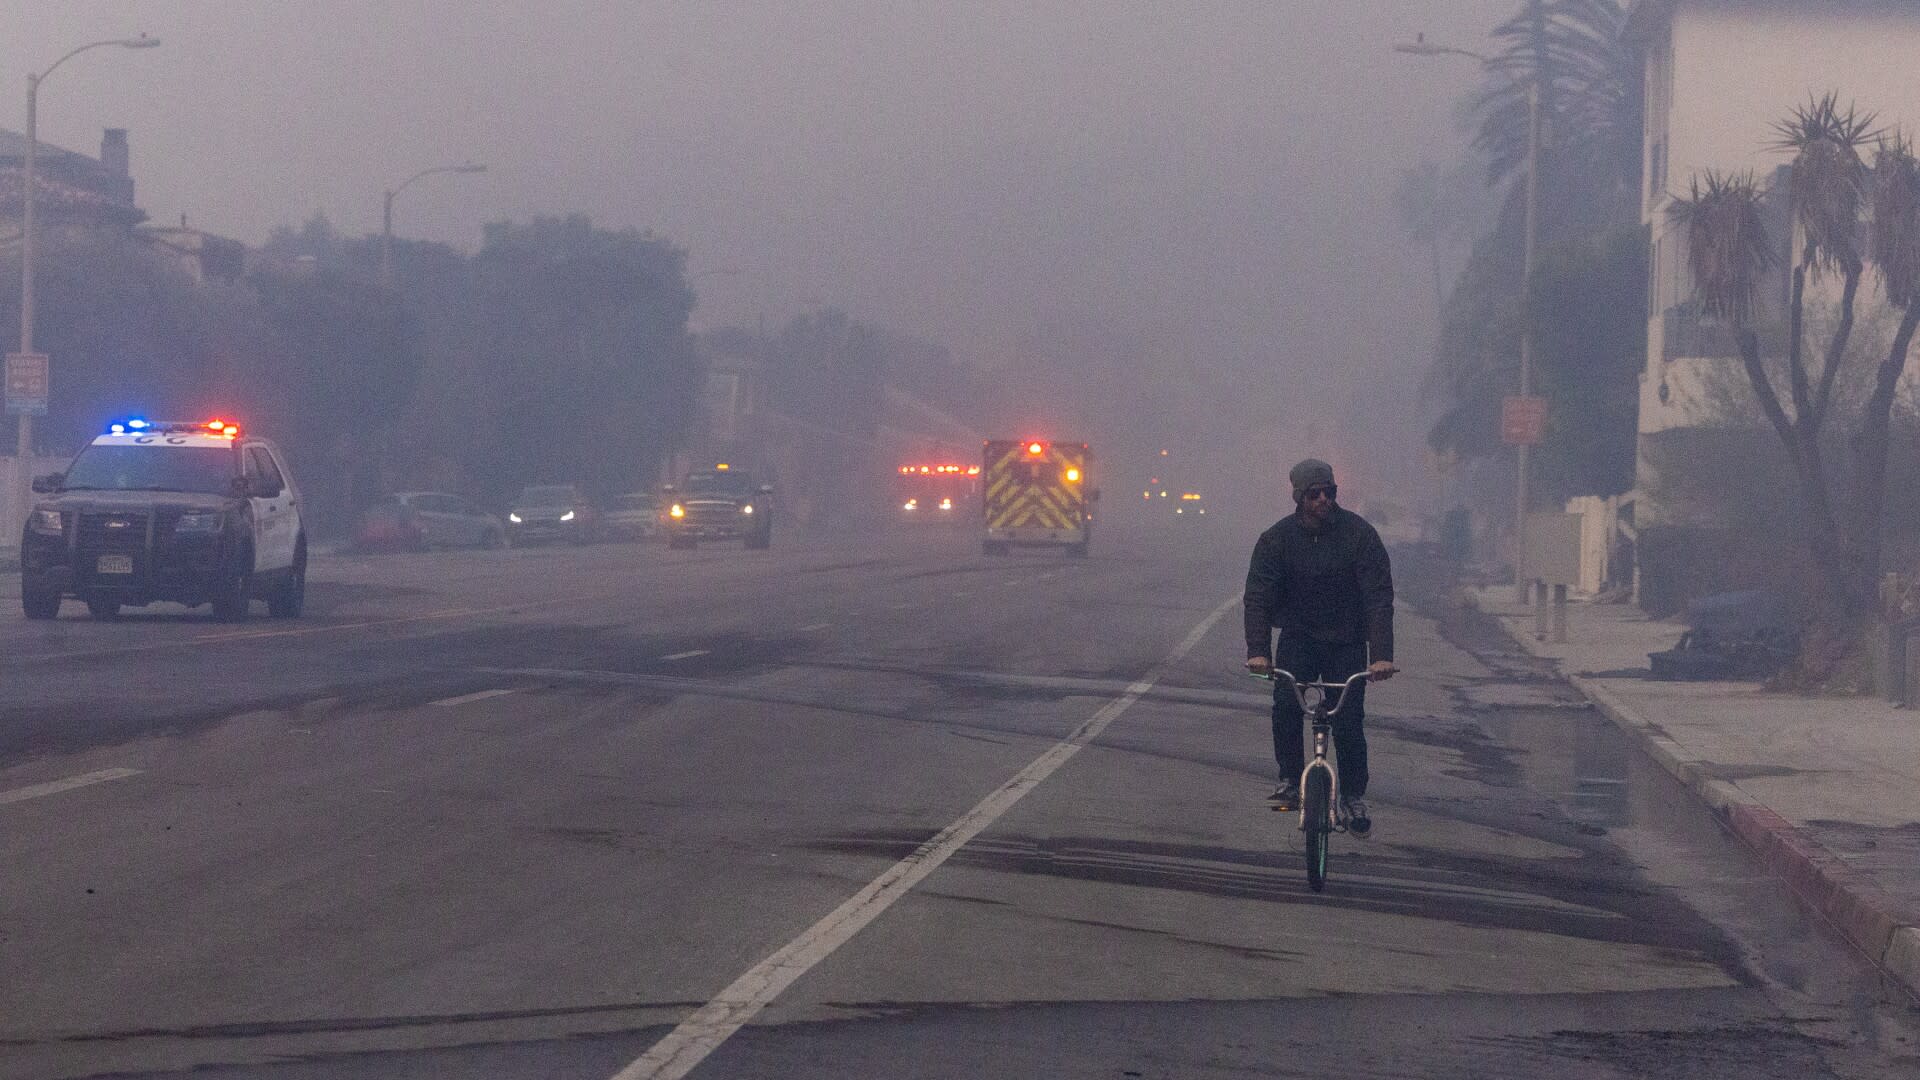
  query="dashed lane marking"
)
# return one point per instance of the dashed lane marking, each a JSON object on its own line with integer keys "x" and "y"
{"x": 688, "y": 655}
{"x": 700, "y": 1034}
{"x": 481, "y": 695}
{"x": 55, "y": 787}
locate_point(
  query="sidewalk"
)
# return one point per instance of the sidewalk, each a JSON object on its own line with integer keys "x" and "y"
{"x": 1826, "y": 791}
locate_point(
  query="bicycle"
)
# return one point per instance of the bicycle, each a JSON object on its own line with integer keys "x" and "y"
{"x": 1320, "y": 813}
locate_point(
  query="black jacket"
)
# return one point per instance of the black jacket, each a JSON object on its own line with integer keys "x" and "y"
{"x": 1333, "y": 584}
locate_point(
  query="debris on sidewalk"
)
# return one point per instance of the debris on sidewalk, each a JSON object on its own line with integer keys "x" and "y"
{"x": 1732, "y": 636}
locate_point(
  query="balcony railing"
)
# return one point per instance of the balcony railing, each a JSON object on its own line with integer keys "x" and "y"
{"x": 1690, "y": 333}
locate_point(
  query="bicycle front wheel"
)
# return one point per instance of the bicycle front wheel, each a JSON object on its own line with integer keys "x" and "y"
{"x": 1316, "y": 800}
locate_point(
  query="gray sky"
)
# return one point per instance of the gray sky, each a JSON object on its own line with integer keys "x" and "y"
{"x": 1202, "y": 184}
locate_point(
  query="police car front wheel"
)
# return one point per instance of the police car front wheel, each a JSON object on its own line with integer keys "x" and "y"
{"x": 290, "y": 598}
{"x": 39, "y": 604}
{"x": 234, "y": 596}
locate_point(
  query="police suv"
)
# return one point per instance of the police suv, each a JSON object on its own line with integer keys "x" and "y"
{"x": 197, "y": 513}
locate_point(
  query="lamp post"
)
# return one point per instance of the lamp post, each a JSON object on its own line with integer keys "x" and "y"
{"x": 386, "y": 213}
{"x": 24, "y": 447}
{"x": 1422, "y": 47}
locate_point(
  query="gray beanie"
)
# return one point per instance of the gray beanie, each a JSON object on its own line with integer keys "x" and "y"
{"x": 1308, "y": 473}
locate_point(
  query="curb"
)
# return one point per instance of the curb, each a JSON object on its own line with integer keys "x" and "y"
{"x": 1860, "y": 911}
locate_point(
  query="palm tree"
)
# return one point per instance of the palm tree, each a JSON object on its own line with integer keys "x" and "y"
{"x": 1728, "y": 255}
{"x": 1590, "y": 96}
{"x": 1895, "y": 245}
{"x": 1828, "y": 187}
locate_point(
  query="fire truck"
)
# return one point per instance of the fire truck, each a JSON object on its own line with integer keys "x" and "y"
{"x": 1038, "y": 494}
{"x": 936, "y": 493}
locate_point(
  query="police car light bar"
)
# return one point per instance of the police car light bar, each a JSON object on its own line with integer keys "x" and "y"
{"x": 216, "y": 427}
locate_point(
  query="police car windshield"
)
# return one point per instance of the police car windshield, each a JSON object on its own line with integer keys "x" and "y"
{"x": 207, "y": 470}
{"x": 714, "y": 482}
{"x": 546, "y": 496}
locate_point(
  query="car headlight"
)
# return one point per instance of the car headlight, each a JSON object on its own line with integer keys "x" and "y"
{"x": 678, "y": 511}
{"x": 515, "y": 518}
{"x": 568, "y": 516}
{"x": 746, "y": 509}
{"x": 203, "y": 524}
{"x": 45, "y": 522}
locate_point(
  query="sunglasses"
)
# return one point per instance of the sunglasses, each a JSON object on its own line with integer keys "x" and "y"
{"x": 1330, "y": 491}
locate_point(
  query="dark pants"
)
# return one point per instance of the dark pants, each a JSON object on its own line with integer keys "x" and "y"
{"x": 1310, "y": 660}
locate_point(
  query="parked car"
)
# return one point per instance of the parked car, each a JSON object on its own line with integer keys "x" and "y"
{"x": 418, "y": 520}
{"x": 553, "y": 512}
{"x": 634, "y": 516}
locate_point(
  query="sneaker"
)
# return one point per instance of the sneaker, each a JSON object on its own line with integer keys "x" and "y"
{"x": 1286, "y": 797}
{"x": 1359, "y": 823}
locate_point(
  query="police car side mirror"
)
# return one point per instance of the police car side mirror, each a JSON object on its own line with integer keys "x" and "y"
{"x": 48, "y": 484}
{"x": 1095, "y": 496}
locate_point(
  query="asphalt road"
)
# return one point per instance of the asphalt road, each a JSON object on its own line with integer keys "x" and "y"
{"x": 875, "y": 809}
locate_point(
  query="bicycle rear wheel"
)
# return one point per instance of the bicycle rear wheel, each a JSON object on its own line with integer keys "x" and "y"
{"x": 1316, "y": 800}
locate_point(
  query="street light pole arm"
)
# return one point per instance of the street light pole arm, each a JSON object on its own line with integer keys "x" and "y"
{"x": 1491, "y": 65}
{"x": 386, "y": 212}
{"x": 430, "y": 172}
{"x": 141, "y": 42}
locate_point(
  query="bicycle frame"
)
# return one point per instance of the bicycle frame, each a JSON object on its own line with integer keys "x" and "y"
{"x": 1321, "y": 718}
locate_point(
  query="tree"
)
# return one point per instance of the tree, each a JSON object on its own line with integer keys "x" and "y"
{"x": 1729, "y": 255}
{"x": 1590, "y": 97}
{"x": 584, "y": 331}
{"x": 343, "y": 363}
{"x": 1591, "y": 87}
{"x": 1587, "y": 304}
{"x": 129, "y": 333}
{"x": 831, "y": 370}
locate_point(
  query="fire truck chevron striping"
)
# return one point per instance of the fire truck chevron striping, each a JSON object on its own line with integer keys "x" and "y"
{"x": 1038, "y": 494}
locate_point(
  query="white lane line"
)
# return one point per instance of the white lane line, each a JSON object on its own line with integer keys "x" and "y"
{"x": 55, "y": 787}
{"x": 479, "y": 696}
{"x": 815, "y": 626}
{"x": 701, "y": 1033}
{"x": 179, "y": 643}
{"x": 687, "y": 655}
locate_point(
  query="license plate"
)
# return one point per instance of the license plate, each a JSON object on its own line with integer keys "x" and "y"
{"x": 114, "y": 564}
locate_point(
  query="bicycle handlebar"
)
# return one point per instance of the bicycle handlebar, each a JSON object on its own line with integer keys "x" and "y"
{"x": 1300, "y": 688}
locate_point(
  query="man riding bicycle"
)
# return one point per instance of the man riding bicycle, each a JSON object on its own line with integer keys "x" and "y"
{"x": 1322, "y": 578}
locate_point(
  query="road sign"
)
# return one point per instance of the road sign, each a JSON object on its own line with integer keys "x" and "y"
{"x": 27, "y": 383}
{"x": 1523, "y": 421}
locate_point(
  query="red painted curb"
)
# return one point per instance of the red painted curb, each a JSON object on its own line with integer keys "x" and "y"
{"x": 1849, "y": 900}
{"x": 1858, "y": 909}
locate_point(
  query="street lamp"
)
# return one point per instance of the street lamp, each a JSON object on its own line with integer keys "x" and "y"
{"x": 386, "y": 215}
{"x": 27, "y": 238}
{"x": 1420, "y": 46}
